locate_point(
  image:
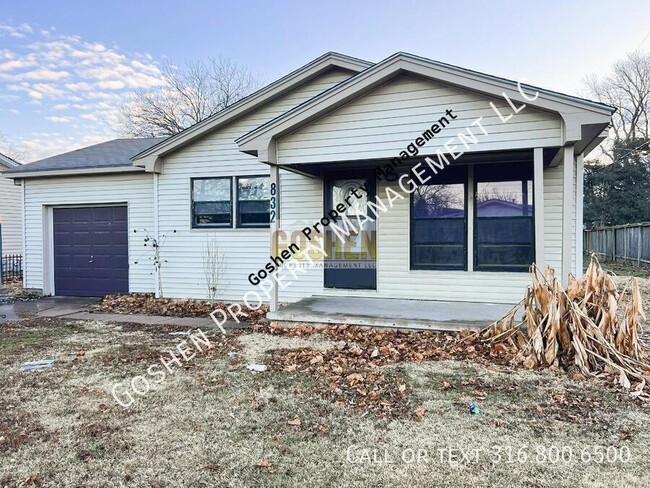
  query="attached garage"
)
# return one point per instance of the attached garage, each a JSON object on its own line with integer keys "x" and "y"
{"x": 91, "y": 256}
{"x": 86, "y": 214}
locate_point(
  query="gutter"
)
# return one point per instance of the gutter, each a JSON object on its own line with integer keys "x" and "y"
{"x": 72, "y": 172}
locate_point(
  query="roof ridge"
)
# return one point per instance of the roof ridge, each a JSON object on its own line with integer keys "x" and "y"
{"x": 397, "y": 57}
{"x": 258, "y": 93}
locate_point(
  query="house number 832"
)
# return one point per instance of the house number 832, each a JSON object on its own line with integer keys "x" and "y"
{"x": 273, "y": 202}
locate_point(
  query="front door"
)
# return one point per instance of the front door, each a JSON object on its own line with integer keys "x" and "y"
{"x": 350, "y": 242}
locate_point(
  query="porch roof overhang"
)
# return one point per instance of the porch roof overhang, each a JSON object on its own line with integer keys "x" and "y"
{"x": 151, "y": 158}
{"x": 585, "y": 122}
{"x": 318, "y": 170}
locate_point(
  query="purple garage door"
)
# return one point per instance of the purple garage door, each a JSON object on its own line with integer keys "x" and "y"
{"x": 91, "y": 251}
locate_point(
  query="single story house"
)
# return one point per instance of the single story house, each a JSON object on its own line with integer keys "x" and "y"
{"x": 10, "y": 211}
{"x": 480, "y": 177}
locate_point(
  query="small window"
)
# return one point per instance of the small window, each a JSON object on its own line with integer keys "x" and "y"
{"x": 504, "y": 230}
{"x": 438, "y": 226}
{"x": 253, "y": 201}
{"x": 211, "y": 202}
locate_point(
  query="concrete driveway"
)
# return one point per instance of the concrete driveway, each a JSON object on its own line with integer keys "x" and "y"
{"x": 46, "y": 307}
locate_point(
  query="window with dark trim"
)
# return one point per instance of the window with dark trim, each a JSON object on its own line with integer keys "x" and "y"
{"x": 504, "y": 225}
{"x": 439, "y": 221}
{"x": 253, "y": 201}
{"x": 211, "y": 202}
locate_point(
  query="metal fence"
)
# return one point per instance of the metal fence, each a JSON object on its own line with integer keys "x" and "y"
{"x": 12, "y": 268}
{"x": 628, "y": 243}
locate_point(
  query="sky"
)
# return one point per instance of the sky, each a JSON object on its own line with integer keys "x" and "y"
{"x": 66, "y": 65}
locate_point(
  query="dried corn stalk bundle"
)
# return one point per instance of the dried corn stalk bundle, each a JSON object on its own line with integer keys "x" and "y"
{"x": 589, "y": 327}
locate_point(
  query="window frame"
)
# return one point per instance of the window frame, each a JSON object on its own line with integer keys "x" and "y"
{"x": 524, "y": 268}
{"x": 237, "y": 221}
{"x": 194, "y": 224}
{"x": 412, "y": 219}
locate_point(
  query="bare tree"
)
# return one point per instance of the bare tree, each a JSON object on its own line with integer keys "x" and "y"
{"x": 214, "y": 269}
{"x": 627, "y": 88}
{"x": 433, "y": 200}
{"x": 11, "y": 150}
{"x": 155, "y": 245}
{"x": 186, "y": 96}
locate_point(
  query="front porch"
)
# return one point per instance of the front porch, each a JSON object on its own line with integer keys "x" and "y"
{"x": 391, "y": 312}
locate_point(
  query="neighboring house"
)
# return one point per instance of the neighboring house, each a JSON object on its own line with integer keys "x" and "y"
{"x": 10, "y": 210}
{"x": 311, "y": 138}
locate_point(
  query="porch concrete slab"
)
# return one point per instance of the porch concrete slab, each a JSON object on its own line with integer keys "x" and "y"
{"x": 392, "y": 312}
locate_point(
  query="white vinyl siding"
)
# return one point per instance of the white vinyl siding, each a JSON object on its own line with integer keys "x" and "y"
{"x": 553, "y": 216}
{"x": 10, "y": 216}
{"x": 245, "y": 250}
{"x": 381, "y": 123}
{"x": 136, "y": 190}
{"x": 302, "y": 203}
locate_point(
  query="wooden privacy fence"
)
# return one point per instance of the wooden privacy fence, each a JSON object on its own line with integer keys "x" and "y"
{"x": 628, "y": 243}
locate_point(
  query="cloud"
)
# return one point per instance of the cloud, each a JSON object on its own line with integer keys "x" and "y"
{"x": 80, "y": 86}
{"x": 70, "y": 65}
{"x": 18, "y": 31}
{"x": 45, "y": 75}
{"x": 69, "y": 79}
{"x": 59, "y": 120}
{"x": 41, "y": 145}
{"x": 16, "y": 64}
{"x": 111, "y": 85}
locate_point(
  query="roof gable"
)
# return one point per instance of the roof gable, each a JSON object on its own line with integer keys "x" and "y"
{"x": 579, "y": 115}
{"x": 150, "y": 158}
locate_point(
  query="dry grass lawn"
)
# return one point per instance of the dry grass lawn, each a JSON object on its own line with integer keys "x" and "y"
{"x": 214, "y": 423}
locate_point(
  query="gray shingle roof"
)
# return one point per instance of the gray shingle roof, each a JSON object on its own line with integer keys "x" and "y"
{"x": 115, "y": 153}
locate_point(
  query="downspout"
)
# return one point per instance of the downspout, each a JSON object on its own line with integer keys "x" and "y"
{"x": 155, "y": 228}
{"x": 22, "y": 225}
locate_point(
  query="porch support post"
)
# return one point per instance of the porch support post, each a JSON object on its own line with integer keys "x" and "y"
{"x": 274, "y": 228}
{"x": 580, "y": 173}
{"x": 568, "y": 200}
{"x": 538, "y": 205}
{"x": 470, "y": 218}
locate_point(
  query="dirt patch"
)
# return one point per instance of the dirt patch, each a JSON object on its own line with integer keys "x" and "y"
{"x": 256, "y": 346}
{"x": 622, "y": 270}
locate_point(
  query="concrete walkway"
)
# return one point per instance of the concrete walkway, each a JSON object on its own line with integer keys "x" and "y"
{"x": 391, "y": 312}
{"x": 83, "y": 309}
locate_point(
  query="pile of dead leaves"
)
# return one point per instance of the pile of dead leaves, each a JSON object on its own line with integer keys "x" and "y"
{"x": 148, "y": 304}
{"x": 351, "y": 374}
{"x": 589, "y": 328}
